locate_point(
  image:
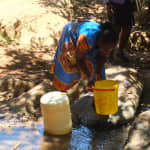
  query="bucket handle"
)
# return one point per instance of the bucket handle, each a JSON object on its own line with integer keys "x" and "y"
{"x": 105, "y": 90}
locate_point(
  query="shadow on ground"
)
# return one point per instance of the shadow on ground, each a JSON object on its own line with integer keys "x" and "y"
{"x": 71, "y": 9}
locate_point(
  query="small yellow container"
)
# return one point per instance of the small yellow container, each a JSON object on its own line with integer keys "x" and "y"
{"x": 106, "y": 97}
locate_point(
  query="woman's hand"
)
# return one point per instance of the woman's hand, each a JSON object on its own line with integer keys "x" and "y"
{"x": 85, "y": 67}
{"x": 98, "y": 76}
{"x": 84, "y": 70}
{"x": 91, "y": 83}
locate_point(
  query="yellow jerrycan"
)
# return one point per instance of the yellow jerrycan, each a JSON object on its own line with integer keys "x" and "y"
{"x": 106, "y": 97}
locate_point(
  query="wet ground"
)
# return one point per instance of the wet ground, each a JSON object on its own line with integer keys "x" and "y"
{"x": 20, "y": 134}
{"x": 31, "y": 136}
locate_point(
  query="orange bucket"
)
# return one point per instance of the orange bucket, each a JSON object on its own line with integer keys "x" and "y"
{"x": 106, "y": 97}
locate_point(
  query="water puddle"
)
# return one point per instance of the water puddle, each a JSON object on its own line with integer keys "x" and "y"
{"x": 25, "y": 136}
{"x": 31, "y": 136}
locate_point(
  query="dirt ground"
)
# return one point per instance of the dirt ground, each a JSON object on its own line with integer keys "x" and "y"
{"x": 29, "y": 34}
{"x": 38, "y": 24}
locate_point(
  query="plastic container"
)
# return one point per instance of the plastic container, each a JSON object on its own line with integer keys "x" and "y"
{"x": 56, "y": 113}
{"x": 106, "y": 97}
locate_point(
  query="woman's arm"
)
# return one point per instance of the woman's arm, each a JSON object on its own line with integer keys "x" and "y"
{"x": 100, "y": 61}
{"x": 83, "y": 63}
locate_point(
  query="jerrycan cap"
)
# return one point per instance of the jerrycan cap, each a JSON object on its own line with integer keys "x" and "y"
{"x": 54, "y": 97}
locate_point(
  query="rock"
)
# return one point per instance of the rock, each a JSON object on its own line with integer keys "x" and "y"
{"x": 146, "y": 89}
{"x": 60, "y": 3}
{"x": 129, "y": 92}
{"x": 83, "y": 112}
{"x": 139, "y": 42}
{"x": 29, "y": 102}
{"x": 18, "y": 86}
{"x": 139, "y": 134}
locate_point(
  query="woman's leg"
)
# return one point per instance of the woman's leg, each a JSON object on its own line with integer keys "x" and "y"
{"x": 124, "y": 37}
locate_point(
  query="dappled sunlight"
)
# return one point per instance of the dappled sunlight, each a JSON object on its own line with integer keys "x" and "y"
{"x": 26, "y": 63}
{"x": 72, "y": 9}
{"x": 139, "y": 133}
{"x": 139, "y": 48}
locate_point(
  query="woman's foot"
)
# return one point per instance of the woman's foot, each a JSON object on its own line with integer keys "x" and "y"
{"x": 120, "y": 57}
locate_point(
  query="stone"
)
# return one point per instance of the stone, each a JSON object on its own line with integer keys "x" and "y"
{"x": 139, "y": 134}
{"x": 11, "y": 82}
{"x": 146, "y": 89}
{"x": 29, "y": 102}
{"x": 129, "y": 92}
{"x": 60, "y": 3}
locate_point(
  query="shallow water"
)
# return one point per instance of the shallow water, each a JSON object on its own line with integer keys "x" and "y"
{"x": 31, "y": 136}
{"x": 28, "y": 136}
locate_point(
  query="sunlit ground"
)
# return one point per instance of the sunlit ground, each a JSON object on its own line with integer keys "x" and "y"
{"x": 15, "y": 8}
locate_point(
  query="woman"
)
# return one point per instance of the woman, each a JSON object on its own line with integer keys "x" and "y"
{"x": 121, "y": 15}
{"x": 83, "y": 49}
